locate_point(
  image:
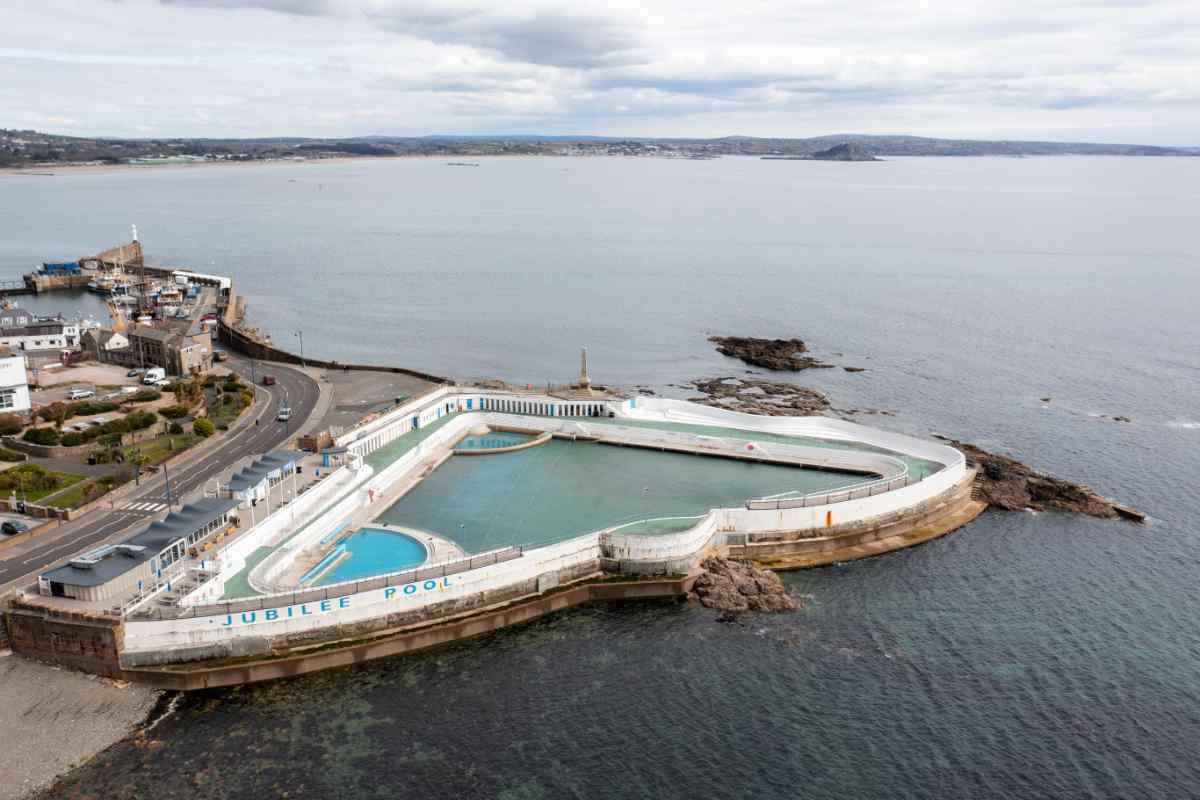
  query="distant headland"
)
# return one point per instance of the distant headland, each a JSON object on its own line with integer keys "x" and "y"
{"x": 846, "y": 151}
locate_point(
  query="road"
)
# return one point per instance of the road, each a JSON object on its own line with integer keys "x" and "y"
{"x": 21, "y": 566}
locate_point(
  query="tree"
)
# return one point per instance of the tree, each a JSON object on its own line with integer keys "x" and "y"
{"x": 58, "y": 413}
{"x": 203, "y": 428}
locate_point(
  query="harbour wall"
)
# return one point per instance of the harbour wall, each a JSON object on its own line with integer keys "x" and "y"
{"x": 240, "y": 342}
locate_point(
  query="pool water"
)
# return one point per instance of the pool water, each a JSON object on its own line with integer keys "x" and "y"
{"x": 560, "y": 489}
{"x": 375, "y": 551}
{"x": 493, "y": 440}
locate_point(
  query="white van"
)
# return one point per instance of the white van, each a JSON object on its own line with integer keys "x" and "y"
{"x": 284, "y": 414}
{"x": 154, "y": 375}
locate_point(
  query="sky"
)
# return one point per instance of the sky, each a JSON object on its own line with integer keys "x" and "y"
{"x": 1078, "y": 70}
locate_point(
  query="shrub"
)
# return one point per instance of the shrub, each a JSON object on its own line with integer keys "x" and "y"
{"x": 175, "y": 429}
{"x": 86, "y": 409}
{"x": 72, "y": 439}
{"x": 10, "y": 424}
{"x": 203, "y": 428}
{"x": 140, "y": 420}
{"x": 46, "y": 436}
{"x": 145, "y": 396}
{"x": 173, "y": 412}
{"x": 115, "y": 426}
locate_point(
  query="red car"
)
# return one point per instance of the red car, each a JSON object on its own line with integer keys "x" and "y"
{"x": 268, "y": 380}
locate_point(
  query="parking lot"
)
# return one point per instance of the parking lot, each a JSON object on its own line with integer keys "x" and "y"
{"x": 53, "y": 385}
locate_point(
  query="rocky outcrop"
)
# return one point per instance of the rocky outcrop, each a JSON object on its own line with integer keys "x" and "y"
{"x": 1006, "y": 483}
{"x": 754, "y": 396}
{"x": 733, "y": 587}
{"x": 782, "y": 355}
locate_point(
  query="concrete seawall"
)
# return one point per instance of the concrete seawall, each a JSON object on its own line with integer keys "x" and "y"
{"x": 397, "y": 642}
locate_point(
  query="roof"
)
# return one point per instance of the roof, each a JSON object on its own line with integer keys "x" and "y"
{"x": 34, "y": 329}
{"x": 154, "y": 539}
{"x": 158, "y": 334}
{"x": 256, "y": 472}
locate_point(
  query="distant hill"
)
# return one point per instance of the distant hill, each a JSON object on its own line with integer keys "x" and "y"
{"x": 27, "y": 148}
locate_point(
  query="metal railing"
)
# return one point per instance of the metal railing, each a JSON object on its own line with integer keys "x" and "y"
{"x": 335, "y": 590}
{"x": 826, "y": 497}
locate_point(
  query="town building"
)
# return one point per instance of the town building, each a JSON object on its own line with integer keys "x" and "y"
{"x": 178, "y": 350}
{"x": 24, "y": 332}
{"x": 14, "y": 386}
{"x": 144, "y": 559}
{"x": 99, "y": 340}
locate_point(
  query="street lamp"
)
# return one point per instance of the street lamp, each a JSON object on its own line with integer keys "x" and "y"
{"x": 301, "y": 335}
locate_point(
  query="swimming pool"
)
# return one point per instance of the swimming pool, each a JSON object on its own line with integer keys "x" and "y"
{"x": 374, "y": 551}
{"x": 543, "y": 494}
{"x": 493, "y": 440}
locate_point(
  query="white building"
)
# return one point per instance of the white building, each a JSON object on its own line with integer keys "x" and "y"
{"x": 23, "y": 332}
{"x": 14, "y": 389}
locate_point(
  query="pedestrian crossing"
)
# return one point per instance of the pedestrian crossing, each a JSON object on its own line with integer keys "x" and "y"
{"x": 142, "y": 506}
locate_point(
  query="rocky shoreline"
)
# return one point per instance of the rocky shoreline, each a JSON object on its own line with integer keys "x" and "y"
{"x": 757, "y": 396}
{"x": 1008, "y": 484}
{"x": 733, "y": 587}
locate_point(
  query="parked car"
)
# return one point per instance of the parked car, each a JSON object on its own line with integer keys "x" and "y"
{"x": 162, "y": 383}
{"x": 284, "y": 414}
{"x": 12, "y": 527}
{"x": 154, "y": 375}
{"x": 133, "y": 373}
{"x": 80, "y": 393}
{"x": 268, "y": 380}
{"x": 220, "y": 355}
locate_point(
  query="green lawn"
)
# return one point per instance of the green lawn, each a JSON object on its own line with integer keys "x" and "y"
{"x": 160, "y": 448}
{"x": 79, "y": 494}
{"x": 32, "y": 482}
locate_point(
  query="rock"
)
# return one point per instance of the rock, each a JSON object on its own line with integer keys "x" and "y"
{"x": 756, "y": 396}
{"x": 1006, "y": 483}
{"x": 732, "y": 587}
{"x": 855, "y": 369}
{"x": 1045, "y": 399}
{"x": 775, "y": 354}
{"x": 1122, "y": 419}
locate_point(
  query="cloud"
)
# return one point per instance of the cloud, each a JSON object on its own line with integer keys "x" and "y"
{"x": 624, "y": 67}
{"x": 548, "y": 36}
{"x": 300, "y": 7}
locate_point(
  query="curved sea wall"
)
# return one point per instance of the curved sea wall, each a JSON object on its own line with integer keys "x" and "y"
{"x": 438, "y": 592}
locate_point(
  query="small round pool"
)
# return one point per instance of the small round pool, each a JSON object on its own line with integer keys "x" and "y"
{"x": 374, "y": 551}
{"x": 493, "y": 440}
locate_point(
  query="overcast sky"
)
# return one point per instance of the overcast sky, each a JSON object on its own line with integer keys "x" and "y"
{"x": 1093, "y": 70}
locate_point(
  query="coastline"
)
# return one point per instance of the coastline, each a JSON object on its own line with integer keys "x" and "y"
{"x": 54, "y": 169}
{"x": 56, "y": 719}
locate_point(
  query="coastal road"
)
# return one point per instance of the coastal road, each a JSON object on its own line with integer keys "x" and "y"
{"x": 21, "y": 565}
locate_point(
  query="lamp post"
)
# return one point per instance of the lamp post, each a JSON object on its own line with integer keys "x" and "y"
{"x": 301, "y": 335}
{"x": 167, "y": 480}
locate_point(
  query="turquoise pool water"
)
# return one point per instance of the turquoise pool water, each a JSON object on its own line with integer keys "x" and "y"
{"x": 374, "y": 551}
{"x": 559, "y": 489}
{"x": 493, "y": 440}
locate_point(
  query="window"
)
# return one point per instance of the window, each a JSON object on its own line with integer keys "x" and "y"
{"x": 7, "y": 398}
